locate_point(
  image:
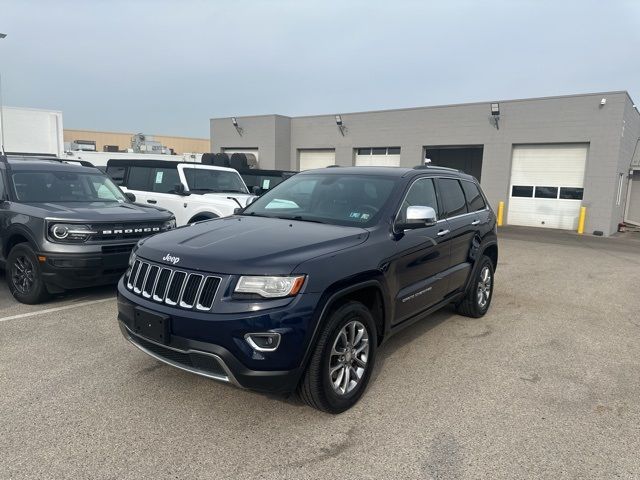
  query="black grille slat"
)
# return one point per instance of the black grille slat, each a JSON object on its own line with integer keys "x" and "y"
{"x": 142, "y": 274}
{"x": 175, "y": 288}
{"x": 208, "y": 293}
{"x": 151, "y": 281}
{"x": 191, "y": 290}
{"x": 161, "y": 287}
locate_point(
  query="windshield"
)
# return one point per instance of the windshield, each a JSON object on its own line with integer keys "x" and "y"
{"x": 200, "y": 179}
{"x": 350, "y": 200}
{"x": 41, "y": 187}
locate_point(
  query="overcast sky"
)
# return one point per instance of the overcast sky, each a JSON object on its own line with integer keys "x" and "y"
{"x": 166, "y": 67}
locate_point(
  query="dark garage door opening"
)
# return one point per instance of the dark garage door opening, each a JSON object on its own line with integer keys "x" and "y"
{"x": 468, "y": 159}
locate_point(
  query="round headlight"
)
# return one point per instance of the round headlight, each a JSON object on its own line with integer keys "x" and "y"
{"x": 60, "y": 232}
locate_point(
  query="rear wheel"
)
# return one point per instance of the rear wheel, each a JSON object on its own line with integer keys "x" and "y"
{"x": 478, "y": 296}
{"x": 341, "y": 364}
{"x": 24, "y": 276}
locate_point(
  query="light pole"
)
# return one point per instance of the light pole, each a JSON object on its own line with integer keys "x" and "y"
{"x": 2, "y": 35}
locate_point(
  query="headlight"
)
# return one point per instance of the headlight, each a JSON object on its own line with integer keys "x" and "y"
{"x": 169, "y": 225}
{"x": 66, "y": 232}
{"x": 270, "y": 287}
{"x": 132, "y": 256}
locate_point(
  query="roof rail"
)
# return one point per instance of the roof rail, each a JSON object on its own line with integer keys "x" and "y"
{"x": 435, "y": 167}
{"x": 83, "y": 163}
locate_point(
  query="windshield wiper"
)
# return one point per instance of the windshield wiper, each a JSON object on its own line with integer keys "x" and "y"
{"x": 300, "y": 219}
{"x": 254, "y": 214}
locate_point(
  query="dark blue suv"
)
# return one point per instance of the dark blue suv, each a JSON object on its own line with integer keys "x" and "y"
{"x": 297, "y": 291}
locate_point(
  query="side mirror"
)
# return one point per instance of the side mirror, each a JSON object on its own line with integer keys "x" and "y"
{"x": 237, "y": 210}
{"x": 179, "y": 189}
{"x": 419, "y": 216}
{"x": 130, "y": 196}
{"x": 257, "y": 190}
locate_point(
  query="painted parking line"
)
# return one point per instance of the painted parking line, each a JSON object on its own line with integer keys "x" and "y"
{"x": 56, "y": 309}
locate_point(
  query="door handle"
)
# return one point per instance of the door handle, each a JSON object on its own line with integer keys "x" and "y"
{"x": 442, "y": 233}
{"x": 152, "y": 201}
{"x": 475, "y": 222}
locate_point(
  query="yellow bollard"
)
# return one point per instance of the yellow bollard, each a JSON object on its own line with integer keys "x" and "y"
{"x": 583, "y": 214}
{"x": 500, "y": 213}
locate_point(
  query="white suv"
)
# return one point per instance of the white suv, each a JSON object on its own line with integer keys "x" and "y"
{"x": 191, "y": 191}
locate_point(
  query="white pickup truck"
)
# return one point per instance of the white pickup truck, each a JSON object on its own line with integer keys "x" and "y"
{"x": 191, "y": 191}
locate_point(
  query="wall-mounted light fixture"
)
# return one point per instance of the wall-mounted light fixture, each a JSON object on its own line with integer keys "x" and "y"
{"x": 340, "y": 125}
{"x": 495, "y": 115}
{"x": 234, "y": 120}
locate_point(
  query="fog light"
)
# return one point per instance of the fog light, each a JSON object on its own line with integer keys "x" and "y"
{"x": 263, "y": 342}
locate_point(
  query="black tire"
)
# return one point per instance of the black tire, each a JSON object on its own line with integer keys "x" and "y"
{"x": 472, "y": 304}
{"x": 316, "y": 388}
{"x": 24, "y": 276}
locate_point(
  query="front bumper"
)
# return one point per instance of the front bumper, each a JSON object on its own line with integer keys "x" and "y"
{"x": 77, "y": 270}
{"x": 213, "y": 345}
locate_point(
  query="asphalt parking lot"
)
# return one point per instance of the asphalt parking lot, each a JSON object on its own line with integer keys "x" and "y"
{"x": 546, "y": 385}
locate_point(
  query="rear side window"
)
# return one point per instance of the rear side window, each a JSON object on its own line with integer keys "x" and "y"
{"x": 117, "y": 174}
{"x": 421, "y": 193}
{"x": 139, "y": 178}
{"x": 164, "y": 180}
{"x": 475, "y": 201}
{"x": 452, "y": 196}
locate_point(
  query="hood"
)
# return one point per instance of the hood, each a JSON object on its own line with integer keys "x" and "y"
{"x": 243, "y": 198}
{"x": 249, "y": 245}
{"x": 99, "y": 212}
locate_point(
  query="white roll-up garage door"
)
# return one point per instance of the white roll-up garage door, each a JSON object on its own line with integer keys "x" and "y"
{"x": 317, "y": 158}
{"x": 547, "y": 185}
{"x": 378, "y": 157}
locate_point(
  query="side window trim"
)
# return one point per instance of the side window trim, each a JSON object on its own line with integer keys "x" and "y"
{"x": 468, "y": 213}
{"x": 466, "y": 206}
{"x": 484, "y": 200}
{"x": 408, "y": 189}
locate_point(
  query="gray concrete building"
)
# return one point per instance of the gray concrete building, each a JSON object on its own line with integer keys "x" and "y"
{"x": 543, "y": 157}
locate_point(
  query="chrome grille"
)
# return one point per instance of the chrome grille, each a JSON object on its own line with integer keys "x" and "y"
{"x": 172, "y": 287}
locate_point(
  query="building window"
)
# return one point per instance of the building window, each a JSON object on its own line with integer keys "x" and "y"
{"x": 522, "y": 191}
{"x": 571, "y": 193}
{"x": 546, "y": 192}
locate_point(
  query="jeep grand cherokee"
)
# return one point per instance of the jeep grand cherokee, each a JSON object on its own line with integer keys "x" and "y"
{"x": 298, "y": 291}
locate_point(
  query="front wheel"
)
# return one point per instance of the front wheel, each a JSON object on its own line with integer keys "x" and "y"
{"x": 478, "y": 295}
{"x": 341, "y": 364}
{"x": 24, "y": 277}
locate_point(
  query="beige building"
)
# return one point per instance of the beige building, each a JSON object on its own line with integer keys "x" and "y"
{"x": 123, "y": 141}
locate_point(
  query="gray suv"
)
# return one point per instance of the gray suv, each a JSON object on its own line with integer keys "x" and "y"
{"x": 65, "y": 226}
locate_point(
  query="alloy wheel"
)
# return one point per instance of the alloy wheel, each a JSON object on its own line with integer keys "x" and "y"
{"x": 22, "y": 274}
{"x": 349, "y": 355}
{"x": 484, "y": 287}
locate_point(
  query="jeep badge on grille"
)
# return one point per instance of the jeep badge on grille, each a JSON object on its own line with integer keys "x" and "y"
{"x": 171, "y": 259}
